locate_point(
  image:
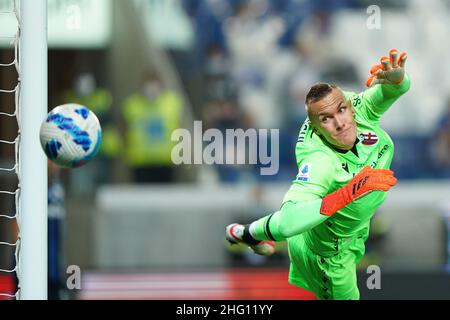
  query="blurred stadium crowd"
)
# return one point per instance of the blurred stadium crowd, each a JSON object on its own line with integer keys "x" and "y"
{"x": 257, "y": 59}
{"x": 250, "y": 64}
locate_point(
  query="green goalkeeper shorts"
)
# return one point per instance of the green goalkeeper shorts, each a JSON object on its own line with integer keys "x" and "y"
{"x": 327, "y": 278}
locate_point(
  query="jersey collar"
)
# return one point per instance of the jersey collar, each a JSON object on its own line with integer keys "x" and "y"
{"x": 354, "y": 150}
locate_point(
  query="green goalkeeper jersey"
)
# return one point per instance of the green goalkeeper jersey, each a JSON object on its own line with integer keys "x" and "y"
{"x": 323, "y": 170}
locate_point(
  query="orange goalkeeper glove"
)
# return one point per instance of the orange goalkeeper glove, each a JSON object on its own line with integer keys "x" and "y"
{"x": 366, "y": 181}
{"x": 390, "y": 71}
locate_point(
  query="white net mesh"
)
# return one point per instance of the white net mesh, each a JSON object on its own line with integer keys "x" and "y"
{"x": 9, "y": 10}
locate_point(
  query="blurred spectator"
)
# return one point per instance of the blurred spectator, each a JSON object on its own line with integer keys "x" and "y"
{"x": 151, "y": 115}
{"x": 252, "y": 36}
{"x": 99, "y": 100}
{"x": 223, "y": 112}
{"x": 291, "y": 76}
{"x": 208, "y": 16}
{"x": 217, "y": 63}
{"x": 440, "y": 146}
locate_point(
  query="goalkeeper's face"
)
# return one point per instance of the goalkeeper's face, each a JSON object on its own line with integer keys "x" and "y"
{"x": 333, "y": 118}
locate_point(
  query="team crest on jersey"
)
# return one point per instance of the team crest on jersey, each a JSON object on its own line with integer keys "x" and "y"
{"x": 368, "y": 139}
{"x": 303, "y": 173}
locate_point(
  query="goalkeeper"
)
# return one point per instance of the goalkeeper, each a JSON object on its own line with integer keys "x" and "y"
{"x": 343, "y": 157}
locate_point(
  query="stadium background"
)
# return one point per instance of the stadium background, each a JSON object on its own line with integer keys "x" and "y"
{"x": 141, "y": 228}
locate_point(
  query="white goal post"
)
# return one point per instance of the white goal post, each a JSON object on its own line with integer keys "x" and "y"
{"x": 32, "y": 264}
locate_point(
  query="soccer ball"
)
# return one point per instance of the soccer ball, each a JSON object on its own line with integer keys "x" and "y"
{"x": 71, "y": 135}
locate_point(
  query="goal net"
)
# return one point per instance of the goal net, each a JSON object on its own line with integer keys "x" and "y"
{"x": 24, "y": 31}
{"x": 8, "y": 12}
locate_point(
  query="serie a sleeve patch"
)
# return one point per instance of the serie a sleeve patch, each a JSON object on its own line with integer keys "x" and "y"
{"x": 303, "y": 172}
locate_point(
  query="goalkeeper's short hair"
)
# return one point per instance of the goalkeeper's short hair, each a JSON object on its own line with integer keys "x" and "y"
{"x": 319, "y": 91}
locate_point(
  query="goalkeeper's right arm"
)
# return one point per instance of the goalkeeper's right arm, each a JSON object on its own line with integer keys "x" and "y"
{"x": 297, "y": 217}
{"x": 387, "y": 82}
